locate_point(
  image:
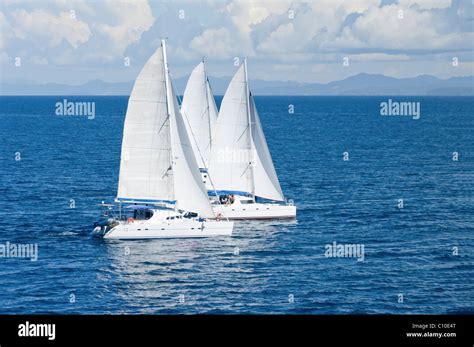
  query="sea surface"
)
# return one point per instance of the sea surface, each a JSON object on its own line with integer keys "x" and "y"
{"x": 54, "y": 170}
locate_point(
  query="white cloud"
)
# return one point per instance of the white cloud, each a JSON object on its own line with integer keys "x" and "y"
{"x": 6, "y": 31}
{"x": 95, "y": 31}
{"x": 279, "y": 39}
{"x": 314, "y": 24}
{"x": 308, "y": 47}
{"x": 49, "y": 29}
{"x": 214, "y": 43}
{"x": 246, "y": 14}
{"x": 4, "y": 58}
{"x": 383, "y": 29}
{"x": 131, "y": 19}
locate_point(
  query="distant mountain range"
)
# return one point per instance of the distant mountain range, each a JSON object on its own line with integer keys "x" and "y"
{"x": 361, "y": 84}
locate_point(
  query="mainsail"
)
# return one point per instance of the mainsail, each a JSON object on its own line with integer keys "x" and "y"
{"x": 146, "y": 146}
{"x": 200, "y": 113}
{"x": 240, "y": 158}
{"x": 157, "y": 162}
{"x": 229, "y": 166}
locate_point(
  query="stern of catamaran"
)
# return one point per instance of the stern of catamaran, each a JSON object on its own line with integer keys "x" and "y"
{"x": 113, "y": 215}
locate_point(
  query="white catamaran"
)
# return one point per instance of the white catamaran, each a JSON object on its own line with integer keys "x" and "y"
{"x": 245, "y": 183}
{"x": 159, "y": 182}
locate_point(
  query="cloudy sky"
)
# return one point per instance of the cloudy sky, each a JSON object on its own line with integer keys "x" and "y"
{"x": 74, "y": 42}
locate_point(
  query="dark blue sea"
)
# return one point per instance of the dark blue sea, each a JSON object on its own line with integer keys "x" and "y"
{"x": 54, "y": 170}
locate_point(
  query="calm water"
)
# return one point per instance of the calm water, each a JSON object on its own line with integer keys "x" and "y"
{"x": 408, "y": 251}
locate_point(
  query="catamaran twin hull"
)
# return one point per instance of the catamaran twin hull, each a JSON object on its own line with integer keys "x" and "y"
{"x": 163, "y": 224}
{"x": 255, "y": 211}
{"x": 190, "y": 229}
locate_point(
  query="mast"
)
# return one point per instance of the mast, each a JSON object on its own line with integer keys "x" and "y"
{"x": 168, "y": 99}
{"x": 208, "y": 110}
{"x": 167, "y": 81}
{"x": 247, "y": 97}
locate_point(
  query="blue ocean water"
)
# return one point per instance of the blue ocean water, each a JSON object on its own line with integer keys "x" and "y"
{"x": 281, "y": 266}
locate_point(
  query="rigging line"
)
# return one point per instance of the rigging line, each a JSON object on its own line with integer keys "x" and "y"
{"x": 248, "y": 166}
{"x": 206, "y": 84}
{"x": 249, "y": 119}
{"x": 243, "y": 133}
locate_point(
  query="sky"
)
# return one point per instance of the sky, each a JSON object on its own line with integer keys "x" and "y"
{"x": 73, "y": 42}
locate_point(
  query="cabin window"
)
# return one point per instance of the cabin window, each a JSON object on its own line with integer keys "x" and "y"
{"x": 142, "y": 214}
{"x": 190, "y": 215}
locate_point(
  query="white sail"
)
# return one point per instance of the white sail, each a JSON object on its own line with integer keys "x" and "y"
{"x": 190, "y": 192}
{"x": 239, "y": 140}
{"x": 265, "y": 178}
{"x": 231, "y": 155}
{"x": 146, "y": 148}
{"x": 157, "y": 161}
{"x": 200, "y": 113}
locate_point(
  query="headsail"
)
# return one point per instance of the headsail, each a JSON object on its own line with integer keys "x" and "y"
{"x": 190, "y": 192}
{"x": 146, "y": 148}
{"x": 200, "y": 113}
{"x": 265, "y": 178}
{"x": 231, "y": 155}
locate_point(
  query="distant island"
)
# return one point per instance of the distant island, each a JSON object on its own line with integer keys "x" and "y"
{"x": 360, "y": 84}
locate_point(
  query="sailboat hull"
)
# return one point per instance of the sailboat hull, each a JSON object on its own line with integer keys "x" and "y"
{"x": 255, "y": 211}
{"x": 181, "y": 229}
